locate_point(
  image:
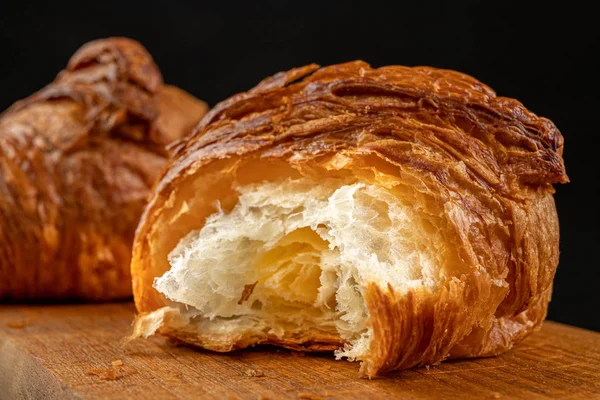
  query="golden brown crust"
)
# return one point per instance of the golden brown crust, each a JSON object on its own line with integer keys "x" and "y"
{"x": 483, "y": 163}
{"x": 77, "y": 160}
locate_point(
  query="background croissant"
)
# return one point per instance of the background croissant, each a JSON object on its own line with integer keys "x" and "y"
{"x": 77, "y": 161}
{"x": 400, "y": 216}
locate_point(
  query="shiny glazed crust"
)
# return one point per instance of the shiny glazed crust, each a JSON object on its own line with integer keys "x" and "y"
{"x": 77, "y": 161}
{"x": 483, "y": 163}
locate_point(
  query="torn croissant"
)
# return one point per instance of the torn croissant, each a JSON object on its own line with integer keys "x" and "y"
{"x": 77, "y": 161}
{"x": 396, "y": 216}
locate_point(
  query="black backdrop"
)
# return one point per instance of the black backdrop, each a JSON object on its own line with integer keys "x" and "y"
{"x": 544, "y": 55}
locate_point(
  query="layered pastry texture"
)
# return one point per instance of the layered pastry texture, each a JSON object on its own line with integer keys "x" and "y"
{"x": 77, "y": 161}
{"x": 396, "y": 216}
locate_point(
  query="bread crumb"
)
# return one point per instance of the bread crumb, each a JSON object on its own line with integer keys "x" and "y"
{"x": 117, "y": 363}
{"x": 495, "y": 395}
{"x": 255, "y": 373}
{"x": 17, "y": 324}
{"x": 298, "y": 354}
{"x": 106, "y": 374}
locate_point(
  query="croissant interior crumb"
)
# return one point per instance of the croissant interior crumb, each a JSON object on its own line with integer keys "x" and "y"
{"x": 297, "y": 255}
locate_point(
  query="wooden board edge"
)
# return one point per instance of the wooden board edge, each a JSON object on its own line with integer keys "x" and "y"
{"x": 23, "y": 377}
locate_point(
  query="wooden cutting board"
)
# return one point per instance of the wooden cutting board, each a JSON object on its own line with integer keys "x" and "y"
{"x": 67, "y": 351}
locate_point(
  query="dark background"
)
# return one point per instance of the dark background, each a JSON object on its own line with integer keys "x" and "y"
{"x": 542, "y": 54}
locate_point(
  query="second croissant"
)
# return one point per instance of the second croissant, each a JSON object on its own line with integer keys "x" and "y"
{"x": 77, "y": 161}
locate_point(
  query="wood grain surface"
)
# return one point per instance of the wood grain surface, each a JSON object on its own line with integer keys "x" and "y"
{"x": 68, "y": 352}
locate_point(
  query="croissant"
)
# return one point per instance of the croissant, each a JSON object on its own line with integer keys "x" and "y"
{"x": 77, "y": 161}
{"x": 396, "y": 216}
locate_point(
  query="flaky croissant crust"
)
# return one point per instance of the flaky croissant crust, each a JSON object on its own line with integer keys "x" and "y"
{"x": 77, "y": 160}
{"x": 483, "y": 162}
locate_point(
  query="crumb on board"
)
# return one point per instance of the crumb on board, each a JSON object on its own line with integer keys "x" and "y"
{"x": 298, "y": 354}
{"x": 106, "y": 374}
{"x": 17, "y": 324}
{"x": 495, "y": 395}
{"x": 255, "y": 373}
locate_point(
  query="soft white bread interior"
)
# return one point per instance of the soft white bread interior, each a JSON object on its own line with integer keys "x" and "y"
{"x": 288, "y": 260}
{"x": 297, "y": 254}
